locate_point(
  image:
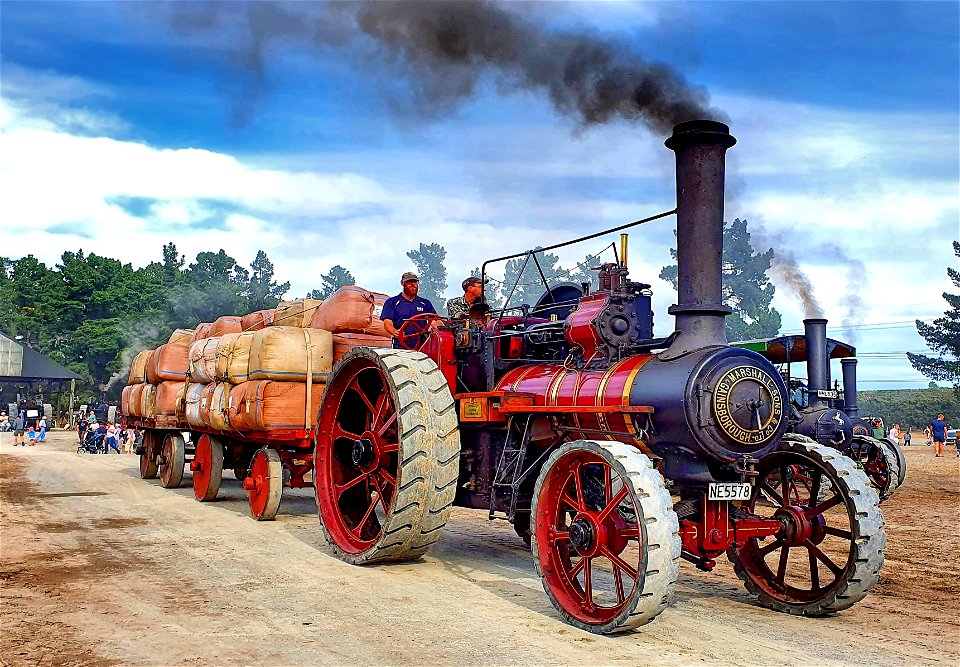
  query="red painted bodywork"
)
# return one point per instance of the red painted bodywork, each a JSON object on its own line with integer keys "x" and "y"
{"x": 580, "y": 330}
{"x": 715, "y": 531}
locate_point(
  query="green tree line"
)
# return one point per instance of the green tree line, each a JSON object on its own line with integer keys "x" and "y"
{"x": 910, "y": 407}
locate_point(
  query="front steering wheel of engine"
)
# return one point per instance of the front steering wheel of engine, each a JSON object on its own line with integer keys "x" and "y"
{"x": 406, "y": 331}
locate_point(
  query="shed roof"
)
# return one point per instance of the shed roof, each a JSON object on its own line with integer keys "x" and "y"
{"x": 18, "y": 362}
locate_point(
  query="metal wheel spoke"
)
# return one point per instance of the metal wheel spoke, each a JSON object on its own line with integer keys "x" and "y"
{"x": 773, "y": 492}
{"x": 575, "y": 570}
{"x": 555, "y": 536}
{"x": 782, "y": 565}
{"x": 340, "y": 432}
{"x": 340, "y": 488}
{"x": 824, "y": 506}
{"x": 571, "y": 502}
{"x": 618, "y": 580}
{"x": 630, "y": 533}
{"x": 381, "y": 404}
{"x": 814, "y": 572}
{"x": 577, "y": 482}
{"x": 612, "y": 505}
{"x": 358, "y": 531}
{"x": 838, "y": 532}
{"x": 815, "y": 487}
{"x": 387, "y": 477}
{"x": 770, "y": 548}
{"x": 387, "y": 424}
{"x": 822, "y": 557}
{"x": 381, "y": 498}
{"x": 355, "y": 385}
{"x": 619, "y": 563}
{"x": 588, "y": 582}
{"x": 784, "y": 486}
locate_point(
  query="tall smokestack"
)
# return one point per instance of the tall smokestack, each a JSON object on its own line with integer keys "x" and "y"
{"x": 850, "y": 406}
{"x": 815, "y": 333}
{"x": 701, "y": 147}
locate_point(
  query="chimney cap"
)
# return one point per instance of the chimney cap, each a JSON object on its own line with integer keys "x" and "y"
{"x": 701, "y": 131}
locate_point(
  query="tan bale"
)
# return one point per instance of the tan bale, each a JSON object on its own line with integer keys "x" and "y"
{"x": 220, "y": 406}
{"x": 267, "y": 405}
{"x": 202, "y": 331}
{"x": 298, "y": 313}
{"x": 125, "y": 400}
{"x": 168, "y": 362}
{"x": 181, "y": 336}
{"x": 206, "y": 398}
{"x": 148, "y": 401}
{"x": 280, "y": 353}
{"x": 233, "y": 357}
{"x": 343, "y": 343}
{"x": 191, "y": 401}
{"x": 203, "y": 360}
{"x": 166, "y": 402}
{"x": 257, "y": 320}
{"x": 138, "y": 367}
{"x": 225, "y": 324}
{"x": 135, "y": 400}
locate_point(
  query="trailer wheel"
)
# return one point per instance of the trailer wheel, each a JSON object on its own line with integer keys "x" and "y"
{"x": 207, "y": 467}
{"x": 829, "y": 553}
{"x": 264, "y": 485}
{"x": 387, "y": 455}
{"x": 172, "y": 460}
{"x": 605, "y": 536}
{"x": 879, "y": 462}
{"x": 148, "y": 459}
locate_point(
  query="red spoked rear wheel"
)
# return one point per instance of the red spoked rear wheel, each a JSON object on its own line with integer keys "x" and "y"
{"x": 830, "y": 550}
{"x": 604, "y": 536}
{"x": 207, "y": 467}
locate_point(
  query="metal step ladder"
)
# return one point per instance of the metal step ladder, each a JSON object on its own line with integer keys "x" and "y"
{"x": 510, "y": 467}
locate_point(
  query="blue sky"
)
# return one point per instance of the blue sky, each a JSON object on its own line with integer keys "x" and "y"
{"x": 120, "y": 130}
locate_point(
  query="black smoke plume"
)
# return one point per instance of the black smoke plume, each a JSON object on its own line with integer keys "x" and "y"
{"x": 446, "y": 48}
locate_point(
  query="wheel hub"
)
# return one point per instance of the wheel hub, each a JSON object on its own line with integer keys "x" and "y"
{"x": 798, "y": 527}
{"x": 582, "y": 535}
{"x": 362, "y": 453}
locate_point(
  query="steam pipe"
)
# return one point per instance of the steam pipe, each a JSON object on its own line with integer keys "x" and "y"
{"x": 623, "y": 249}
{"x": 700, "y": 147}
{"x": 815, "y": 333}
{"x": 849, "y": 368}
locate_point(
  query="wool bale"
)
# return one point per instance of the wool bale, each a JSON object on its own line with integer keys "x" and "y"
{"x": 233, "y": 357}
{"x": 125, "y": 400}
{"x": 348, "y": 310}
{"x": 257, "y": 320}
{"x": 264, "y": 405}
{"x": 225, "y": 324}
{"x": 298, "y": 313}
{"x": 191, "y": 401}
{"x": 343, "y": 343}
{"x": 220, "y": 406}
{"x": 202, "y": 331}
{"x": 206, "y": 398}
{"x": 148, "y": 401}
{"x": 135, "y": 401}
{"x": 169, "y": 362}
{"x": 280, "y": 353}
{"x": 203, "y": 360}
{"x": 138, "y": 367}
{"x": 166, "y": 401}
{"x": 181, "y": 336}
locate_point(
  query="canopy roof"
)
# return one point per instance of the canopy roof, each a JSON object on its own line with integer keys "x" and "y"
{"x": 18, "y": 362}
{"x": 783, "y": 349}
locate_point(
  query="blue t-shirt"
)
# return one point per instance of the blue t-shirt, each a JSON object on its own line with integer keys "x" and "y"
{"x": 398, "y": 309}
{"x": 939, "y": 429}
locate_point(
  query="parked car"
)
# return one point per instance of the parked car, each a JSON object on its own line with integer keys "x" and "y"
{"x": 951, "y": 437}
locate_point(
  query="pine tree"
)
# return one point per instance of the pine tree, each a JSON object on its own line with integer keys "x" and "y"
{"x": 262, "y": 290}
{"x": 433, "y": 274}
{"x": 943, "y": 337}
{"x": 336, "y": 278}
{"x": 746, "y": 287}
{"x": 527, "y": 287}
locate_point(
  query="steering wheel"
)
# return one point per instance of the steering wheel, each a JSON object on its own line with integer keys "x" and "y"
{"x": 421, "y": 334}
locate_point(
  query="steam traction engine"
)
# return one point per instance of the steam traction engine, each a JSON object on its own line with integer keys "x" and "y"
{"x": 613, "y": 452}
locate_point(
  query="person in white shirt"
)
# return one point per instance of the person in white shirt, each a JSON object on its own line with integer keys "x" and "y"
{"x": 894, "y": 433}
{"x": 111, "y": 440}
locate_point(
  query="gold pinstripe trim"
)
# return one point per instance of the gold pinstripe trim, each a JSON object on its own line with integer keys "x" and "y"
{"x": 523, "y": 376}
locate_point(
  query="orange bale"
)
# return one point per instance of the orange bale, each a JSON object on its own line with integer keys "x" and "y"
{"x": 148, "y": 401}
{"x": 348, "y": 310}
{"x": 169, "y": 362}
{"x": 225, "y": 324}
{"x": 138, "y": 367}
{"x": 298, "y": 313}
{"x": 264, "y": 405}
{"x": 203, "y": 360}
{"x": 280, "y": 353}
{"x": 257, "y": 320}
{"x": 343, "y": 343}
{"x": 135, "y": 400}
{"x": 220, "y": 406}
{"x": 233, "y": 357}
{"x": 202, "y": 331}
{"x": 167, "y": 393}
{"x": 125, "y": 400}
{"x": 181, "y": 336}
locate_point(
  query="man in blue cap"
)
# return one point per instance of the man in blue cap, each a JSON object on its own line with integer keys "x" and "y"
{"x": 398, "y": 309}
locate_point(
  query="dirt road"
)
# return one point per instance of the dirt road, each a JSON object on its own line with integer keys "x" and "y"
{"x": 99, "y": 567}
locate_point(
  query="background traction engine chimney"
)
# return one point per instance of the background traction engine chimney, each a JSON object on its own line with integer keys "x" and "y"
{"x": 815, "y": 333}
{"x": 700, "y": 147}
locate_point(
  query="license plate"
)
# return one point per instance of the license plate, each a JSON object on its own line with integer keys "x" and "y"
{"x": 729, "y": 491}
{"x": 828, "y": 393}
